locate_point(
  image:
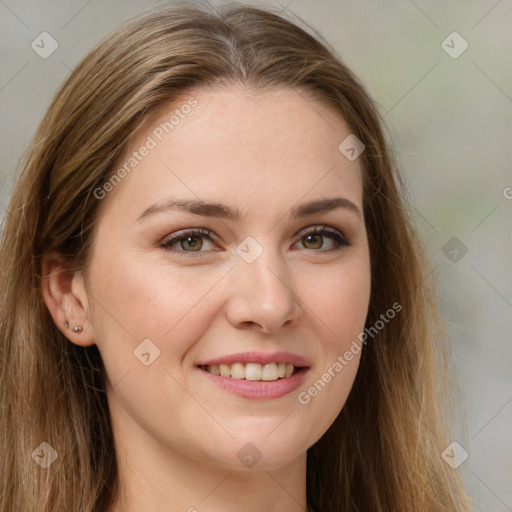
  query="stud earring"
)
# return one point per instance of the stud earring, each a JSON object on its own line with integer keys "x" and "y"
{"x": 77, "y": 328}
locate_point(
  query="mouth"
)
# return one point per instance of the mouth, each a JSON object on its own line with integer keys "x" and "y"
{"x": 256, "y": 375}
{"x": 253, "y": 371}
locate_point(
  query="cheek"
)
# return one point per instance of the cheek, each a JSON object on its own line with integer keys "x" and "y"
{"x": 170, "y": 307}
{"x": 338, "y": 302}
{"x": 142, "y": 301}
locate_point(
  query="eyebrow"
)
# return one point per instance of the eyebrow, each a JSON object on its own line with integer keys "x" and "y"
{"x": 225, "y": 212}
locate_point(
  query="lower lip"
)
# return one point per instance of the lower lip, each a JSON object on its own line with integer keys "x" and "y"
{"x": 257, "y": 389}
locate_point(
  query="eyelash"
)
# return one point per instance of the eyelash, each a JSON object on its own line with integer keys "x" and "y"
{"x": 318, "y": 230}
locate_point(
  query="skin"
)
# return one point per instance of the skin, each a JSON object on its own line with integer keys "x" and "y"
{"x": 177, "y": 435}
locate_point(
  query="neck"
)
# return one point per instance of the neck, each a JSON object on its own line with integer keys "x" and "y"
{"x": 152, "y": 477}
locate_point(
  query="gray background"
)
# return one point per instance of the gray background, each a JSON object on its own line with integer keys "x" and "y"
{"x": 451, "y": 125}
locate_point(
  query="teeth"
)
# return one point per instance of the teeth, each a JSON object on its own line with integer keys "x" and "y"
{"x": 252, "y": 371}
{"x": 225, "y": 370}
{"x": 214, "y": 368}
{"x": 269, "y": 371}
{"x": 237, "y": 371}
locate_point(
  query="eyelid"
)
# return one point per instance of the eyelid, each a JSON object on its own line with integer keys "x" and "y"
{"x": 183, "y": 233}
{"x": 321, "y": 228}
{"x": 337, "y": 235}
{"x": 324, "y": 230}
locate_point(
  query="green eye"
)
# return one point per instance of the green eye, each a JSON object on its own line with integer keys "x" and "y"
{"x": 191, "y": 241}
{"x": 194, "y": 242}
{"x": 316, "y": 235}
{"x": 312, "y": 239}
{"x": 187, "y": 239}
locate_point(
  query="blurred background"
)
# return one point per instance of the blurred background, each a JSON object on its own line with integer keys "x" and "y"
{"x": 441, "y": 73}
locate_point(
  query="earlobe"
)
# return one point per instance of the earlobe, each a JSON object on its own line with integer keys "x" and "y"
{"x": 65, "y": 297}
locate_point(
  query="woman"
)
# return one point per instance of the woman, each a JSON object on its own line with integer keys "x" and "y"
{"x": 213, "y": 297}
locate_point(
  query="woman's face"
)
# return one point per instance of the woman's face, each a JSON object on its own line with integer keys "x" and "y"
{"x": 256, "y": 288}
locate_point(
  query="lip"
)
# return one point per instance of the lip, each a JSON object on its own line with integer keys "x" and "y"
{"x": 258, "y": 390}
{"x": 258, "y": 357}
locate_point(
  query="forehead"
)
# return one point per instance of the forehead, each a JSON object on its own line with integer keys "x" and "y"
{"x": 242, "y": 146}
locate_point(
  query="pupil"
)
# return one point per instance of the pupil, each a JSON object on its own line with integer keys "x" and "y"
{"x": 194, "y": 244}
{"x": 314, "y": 236}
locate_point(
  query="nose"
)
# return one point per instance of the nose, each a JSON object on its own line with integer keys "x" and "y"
{"x": 263, "y": 295}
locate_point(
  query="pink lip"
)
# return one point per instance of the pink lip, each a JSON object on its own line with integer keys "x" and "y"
{"x": 258, "y": 357}
{"x": 258, "y": 390}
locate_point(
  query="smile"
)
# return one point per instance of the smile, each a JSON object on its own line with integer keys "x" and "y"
{"x": 253, "y": 371}
{"x": 256, "y": 375}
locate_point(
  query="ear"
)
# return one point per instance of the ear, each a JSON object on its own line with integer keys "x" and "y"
{"x": 65, "y": 296}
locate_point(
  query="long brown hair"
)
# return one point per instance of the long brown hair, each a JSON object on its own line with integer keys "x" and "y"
{"x": 383, "y": 452}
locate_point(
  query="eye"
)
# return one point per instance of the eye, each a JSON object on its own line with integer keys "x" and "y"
{"x": 314, "y": 237}
{"x": 191, "y": 240}
{"x": 188, "y": 240}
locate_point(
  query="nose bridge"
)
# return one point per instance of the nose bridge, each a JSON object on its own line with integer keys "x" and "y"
{"x": 264, "y": 289}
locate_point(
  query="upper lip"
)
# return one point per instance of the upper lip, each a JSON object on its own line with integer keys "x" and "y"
{"x": 258, "y": 357}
